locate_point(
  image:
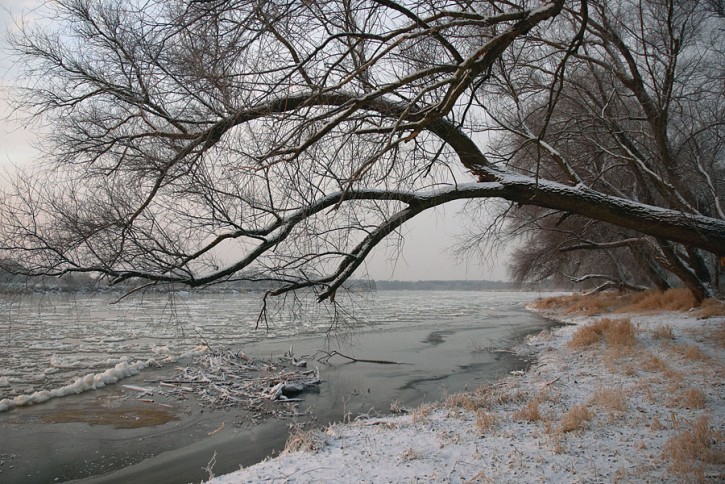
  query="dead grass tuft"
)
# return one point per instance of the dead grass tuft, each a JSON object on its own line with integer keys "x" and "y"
{"x": 612, "y": 400}
{"x": 688, "y": 398}
{"x": 529, "y": 412}
{"x": 422, "y": 413}
{"x": 691, "y": 352}
{"x": 461, "y": 400}
{"x": 652, "y": 363}
{"x": 605, "y": 302}
{"x": 588, "y": 305}
{"x": 408, "y": 454}
{"x": 678, "y": 299}
{"x": 396, "y": 408}
{"x": 587, "y": 335}
{"x": 711, "y": 308}
{"x": 628, "y": 369}
{"x": 690, "y": 449}
{"x": 485, "y": 421}
{"x": 664, "y": 332}
{"x": 620, "y": 333}
{"x": 303, "y": 440}
{"x": 615, "y": 332}
{"x": 577, "y": 418}
{"x": 487, "y": 396}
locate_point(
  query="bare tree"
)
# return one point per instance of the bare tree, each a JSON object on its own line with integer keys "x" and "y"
{"x": 296, "y": 135}
{"x": 638, "y": 115}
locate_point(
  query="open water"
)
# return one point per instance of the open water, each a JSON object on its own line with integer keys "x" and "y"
{"x": 50, "y": 340}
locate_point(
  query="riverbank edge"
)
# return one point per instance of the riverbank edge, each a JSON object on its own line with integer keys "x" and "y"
{"x": 598, "y": 413}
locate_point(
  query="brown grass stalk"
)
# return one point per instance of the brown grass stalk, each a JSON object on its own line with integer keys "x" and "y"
{"x": 577, "y": 418}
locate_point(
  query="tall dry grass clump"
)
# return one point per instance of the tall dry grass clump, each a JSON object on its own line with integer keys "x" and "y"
{"x": 461, "y": 400}
{"x": 692, "y": 448}
{"x": 529, "y": 412}
{"x": 422, "y": 413}
{"x": 612, "y": 400}
{"x": 577, "y": 418}
{"x": 652, "y": 363}
{"x": 663, "y": 332}
{"x": 485, "y": 421}
{"x": 686, "y": 397}
{"x": 303, "y": 440}
{"x": 711, "y": 308}
{"x": 615, "y": 332}
{"x": 620, "y": 333}
{"x": 691, "y": 352}
{"x": 678, "y": 299}
{"x": 585, "y": 304}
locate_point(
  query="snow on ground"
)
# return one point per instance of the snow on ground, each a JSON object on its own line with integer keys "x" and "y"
{"x": 648, "y": 410}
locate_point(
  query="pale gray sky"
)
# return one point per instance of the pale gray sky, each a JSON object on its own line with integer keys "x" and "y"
{"x": 428, "y": 238}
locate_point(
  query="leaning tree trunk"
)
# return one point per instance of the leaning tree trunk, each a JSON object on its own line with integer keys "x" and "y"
{"x": 700, "y": 289}
{"x": 650, "y": 267}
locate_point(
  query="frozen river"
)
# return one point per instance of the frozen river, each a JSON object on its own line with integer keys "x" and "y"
{"x": 49, "y": 341}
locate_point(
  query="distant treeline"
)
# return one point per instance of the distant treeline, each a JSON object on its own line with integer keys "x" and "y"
{"x": 442, "y": 285}
{"x": 10, "y": 281}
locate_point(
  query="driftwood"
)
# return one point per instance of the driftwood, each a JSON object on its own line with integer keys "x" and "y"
{"x": 327, "y": 355}
{"x": 222, "y": 378}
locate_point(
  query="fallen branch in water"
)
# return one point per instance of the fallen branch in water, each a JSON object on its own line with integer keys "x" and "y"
{"x": 325, "y": 358}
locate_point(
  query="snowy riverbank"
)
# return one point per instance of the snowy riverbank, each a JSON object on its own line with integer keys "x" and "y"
{"x": 611, "y": 401}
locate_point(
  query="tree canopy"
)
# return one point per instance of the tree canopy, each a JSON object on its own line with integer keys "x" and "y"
{"x": 300, "y": 134}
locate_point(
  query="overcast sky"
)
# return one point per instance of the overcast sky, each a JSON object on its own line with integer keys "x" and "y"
{"x": 428, "y": 239}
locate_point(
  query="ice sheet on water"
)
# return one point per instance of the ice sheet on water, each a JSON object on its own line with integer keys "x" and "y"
{"x": 60, "y": 344}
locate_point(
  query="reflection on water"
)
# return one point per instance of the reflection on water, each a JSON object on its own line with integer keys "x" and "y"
{"x": 49, "y": 340}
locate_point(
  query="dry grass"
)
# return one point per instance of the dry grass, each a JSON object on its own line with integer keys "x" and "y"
{"x": 529, "y": 412}
{"x": 691, "y": 352}
{"x": 615, "y": 332}
{"x": 692, "y": 448}
{"x": 577, "y": 418}
{"x": 711, "y": 308}
{"x": 303, "y": 440}
{"x": 408, "y": 454}
{"x": 488, "y": 396}
{"x": 461, "y": 400}
{"x": 422, "y": 412}
{"x": 687, "y": 398}
{"x": 663, "y": 332}
{"x": 620, "y": 333}
{"x": 612, "y": 400}
{"x": 587, "y": 335}
{"x": 679, "y": 299}
{"x": 588, "y": 305}
{"x": 396, "y": 408}
{"x": 652, "y": 363}
{"x": 485, "y": 421}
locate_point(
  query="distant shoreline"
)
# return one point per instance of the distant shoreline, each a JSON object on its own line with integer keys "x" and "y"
{"x": 12, "y": 285}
